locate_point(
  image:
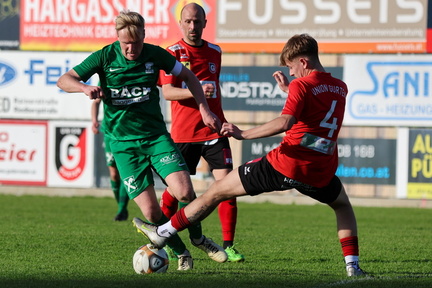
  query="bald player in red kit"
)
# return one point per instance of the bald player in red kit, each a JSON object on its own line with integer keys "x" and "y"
{"x": 188, "y": 131}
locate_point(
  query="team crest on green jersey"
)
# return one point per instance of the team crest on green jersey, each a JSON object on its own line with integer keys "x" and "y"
{"x": 130, "y": 184}
{"x": 149, "y": 68}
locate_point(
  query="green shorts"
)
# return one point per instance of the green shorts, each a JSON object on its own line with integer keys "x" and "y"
{"x": 108, "y": 154}
{"x": 136, "y": 159}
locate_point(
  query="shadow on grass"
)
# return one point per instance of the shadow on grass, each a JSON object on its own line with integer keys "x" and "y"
{"x": 216, "y": 280}
{"x": 151, "y": 282}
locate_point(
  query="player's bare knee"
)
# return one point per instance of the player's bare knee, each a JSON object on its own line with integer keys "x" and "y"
{"x": 186, "y": 196}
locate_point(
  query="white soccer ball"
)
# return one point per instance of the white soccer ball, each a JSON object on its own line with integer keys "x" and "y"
{"x": 148, "y": 259}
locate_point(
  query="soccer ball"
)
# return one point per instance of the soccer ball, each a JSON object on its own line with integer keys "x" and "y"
{"x": 148, "y": 259}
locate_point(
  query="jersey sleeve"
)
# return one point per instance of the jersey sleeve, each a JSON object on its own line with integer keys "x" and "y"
{"x": 295, "y": 101}
{"x": 168, "y": 61}
{"x": 89, "y": 66}
{"x": 166, "y": 77}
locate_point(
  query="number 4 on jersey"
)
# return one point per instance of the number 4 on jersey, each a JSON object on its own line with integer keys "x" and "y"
{"x": 328, "y": 121}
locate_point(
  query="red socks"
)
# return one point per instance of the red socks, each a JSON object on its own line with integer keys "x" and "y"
{"x": 228, "y": 217}
{"x": 168, "y": 204}
{"x": 227, "y": 214}
{"x": 179, "y": 221}
{"x": 350, "y": 246}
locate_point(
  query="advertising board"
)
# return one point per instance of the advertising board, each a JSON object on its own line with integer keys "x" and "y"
{"x": 71, "y": 156}
{"x": 388, "y": 90}
{"x": 23, "y": 152}
{"x": 361, "y": 161}
{"x": 254, "y": 88}
{"x": 245, "y": 26}
{"x": 28, "y": 87}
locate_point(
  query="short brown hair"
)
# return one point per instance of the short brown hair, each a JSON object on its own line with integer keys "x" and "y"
{"x": 132, "y": 21}
{"x": 299, "y": 45}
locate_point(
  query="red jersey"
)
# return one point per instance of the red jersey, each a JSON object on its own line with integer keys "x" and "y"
{"x": 205, "y": 62}
{"x": 308, "y": 151}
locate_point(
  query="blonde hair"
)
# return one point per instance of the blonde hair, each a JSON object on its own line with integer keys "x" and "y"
{"x": 132, "y": 21}
{"x": 299, "y": 45}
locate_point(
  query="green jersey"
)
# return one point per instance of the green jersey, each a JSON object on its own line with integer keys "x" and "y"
{"x": 131, "y": 107}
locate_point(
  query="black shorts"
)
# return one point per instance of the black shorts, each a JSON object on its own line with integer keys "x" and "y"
{"x": 258, "y": 176}
{"x": 217, "y": 153}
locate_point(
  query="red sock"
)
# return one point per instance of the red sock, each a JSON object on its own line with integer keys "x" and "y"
{"x": 350, "y": 246}
{"x": 228, "y": 217}
{"x": 168, "y": 204}
{"x": 179, "y": 221}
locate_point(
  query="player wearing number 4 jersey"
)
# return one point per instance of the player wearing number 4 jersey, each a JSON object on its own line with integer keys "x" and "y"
{"x": 305, "y": 160}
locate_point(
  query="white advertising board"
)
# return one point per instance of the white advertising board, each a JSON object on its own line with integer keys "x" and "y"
{"x": 388, "y": 90}
{"x": 23, "y": 152}
{"x": 71, "y": 154}
{"x": 28, "y": 87}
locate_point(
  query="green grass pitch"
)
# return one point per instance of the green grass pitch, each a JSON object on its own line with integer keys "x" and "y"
{"x": 73, "y": 242}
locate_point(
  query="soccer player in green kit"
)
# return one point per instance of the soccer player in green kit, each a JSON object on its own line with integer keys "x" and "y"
{"x": 128, "y": 71}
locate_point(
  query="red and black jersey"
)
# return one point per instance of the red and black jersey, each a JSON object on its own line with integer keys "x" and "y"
{"x": 205, "y": 62}
{"x": 308, "y": 152}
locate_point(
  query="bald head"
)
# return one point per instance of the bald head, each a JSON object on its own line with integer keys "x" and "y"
{"x": 197, "y": 9}
{"x": 192, "y": 23}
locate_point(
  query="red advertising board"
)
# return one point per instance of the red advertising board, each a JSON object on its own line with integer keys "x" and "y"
{"x": 245, "y": 26}
{"x": 84, "y": 25}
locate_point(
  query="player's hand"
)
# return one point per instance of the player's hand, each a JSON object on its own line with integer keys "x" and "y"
{"x": 229, "y": 129}
{"x": 94, "y": 92}
{"x": 208, "y": 90}
{"x": 211, "y": 120}
{"x": 281, "y": 80}
{"x": 95, "y": 127}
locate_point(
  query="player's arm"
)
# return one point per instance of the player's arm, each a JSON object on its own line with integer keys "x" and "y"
{"x": 193, "y": 84}
{"x": 278, "y": 125}
{"x": 95, "y": 115}
{"x": 172, "y": 93}
{"x": 71, "y": 82}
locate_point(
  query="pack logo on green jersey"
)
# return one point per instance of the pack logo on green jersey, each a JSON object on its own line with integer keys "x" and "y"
{"x": 129, "y": 95}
